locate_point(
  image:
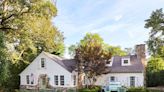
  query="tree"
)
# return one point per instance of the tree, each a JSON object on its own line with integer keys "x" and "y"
{"x": 71, "y": 50}
{"x": 156, "y": 38}
{"x": 154, "y": 71}
{"x": 116, "y": 50}
{"x": 91, "y": 57}
{"x": 27, "y": 31}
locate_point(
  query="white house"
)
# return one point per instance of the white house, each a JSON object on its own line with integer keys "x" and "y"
{"x": 49, "y": 71}
{"x": 128, "y": 70}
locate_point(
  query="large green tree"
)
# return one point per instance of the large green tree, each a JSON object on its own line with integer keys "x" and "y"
{"x": 116, "y": 50}
{"x": 155, "y": 66}
{"x": 156, "y": 37}
{"x": 28, "y": 30}
{"x": 91, "y": 57}
{"x": 154, "y": 70}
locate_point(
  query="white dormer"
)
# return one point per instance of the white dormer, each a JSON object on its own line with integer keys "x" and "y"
{"x": 109, "y": 62}
{"x": 125, "y": 61}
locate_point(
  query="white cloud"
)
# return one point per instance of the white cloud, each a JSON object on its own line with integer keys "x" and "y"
{"x": 121, "y": 17}
{"x": 117, "y": 18}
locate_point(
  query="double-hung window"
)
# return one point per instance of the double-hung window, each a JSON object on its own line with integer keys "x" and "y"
{"x": 132, "y": 81}
{"x": 74, "y": 79}
{"x": 56, "y": 80}
{"x": 62, "y": 80}
{"x": 27, "y": 79}
{"x": 42, "y": 62}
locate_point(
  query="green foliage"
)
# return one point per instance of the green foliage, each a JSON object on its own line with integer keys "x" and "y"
{"x": 4, "y": 63}
{"x": 154, "y": 70}
{"x": 71, "y": 50}
{"x": 141, "y": 89}
{"x": 91, "y": 56}
{"x": 27, "y": 30}
{"x": 93, "y": 89}
{"x": 116, "y": 50}
{"x": 156, "y": 41}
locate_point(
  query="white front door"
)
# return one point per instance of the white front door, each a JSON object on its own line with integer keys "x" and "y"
{"x": 42, "y": 83}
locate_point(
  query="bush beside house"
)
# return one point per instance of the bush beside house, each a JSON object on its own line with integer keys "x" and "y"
{"x": 155, "y": 71}
{"x": 141, "y": 89}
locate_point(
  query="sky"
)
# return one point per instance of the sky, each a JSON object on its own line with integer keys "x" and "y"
{"x": 119, "y": 22}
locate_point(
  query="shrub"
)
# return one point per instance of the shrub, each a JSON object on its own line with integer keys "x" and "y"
{"x": 93, "y": 89}
{"x": 139, "y": 89}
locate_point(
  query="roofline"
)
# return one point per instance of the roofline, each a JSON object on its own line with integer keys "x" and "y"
{"x": 56, "y": 62}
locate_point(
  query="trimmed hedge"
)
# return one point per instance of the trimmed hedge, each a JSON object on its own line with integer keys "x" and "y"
{"x": 94, "y": 89}
{"x": 141, "y": 89}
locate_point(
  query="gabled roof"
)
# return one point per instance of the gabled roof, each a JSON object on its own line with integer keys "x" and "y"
{"x": 68, "y": 64}
{"x": 135, "y": 67}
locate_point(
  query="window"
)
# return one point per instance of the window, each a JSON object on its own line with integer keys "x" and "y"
{"x": 112, "y": 78}
{"x": 125, "y": 61}
{"x": 56, "y": 80}
{"x": 74, "y": 80}
{"x": 132, "y": 81}
{"x": 42, "y": 62}
{"x": 108, "y": 62}
{"x": 61, "y": 80}
{"x": 32, "y": 78}
{"x": 28, "y": 79}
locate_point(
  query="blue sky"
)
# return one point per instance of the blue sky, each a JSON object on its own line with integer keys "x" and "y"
{"x": 119, "y": 22}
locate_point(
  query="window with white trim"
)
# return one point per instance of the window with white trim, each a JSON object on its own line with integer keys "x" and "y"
{"x": 74, "y": 79}
{"x": 62, "y": 80}
{"x": 42, "y": 62}
{"x": 27, "y": 79}
{"x": 32, "y": 78}
{"x": 112, "y": 78}
{"x": 132, "y": 81}
{"x": 109, "y": 62}
{"x": 125, "y": 61}
{"x": 56, "y": 80}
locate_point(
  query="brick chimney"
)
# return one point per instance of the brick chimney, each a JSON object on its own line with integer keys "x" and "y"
{"x": 140, "y": 52}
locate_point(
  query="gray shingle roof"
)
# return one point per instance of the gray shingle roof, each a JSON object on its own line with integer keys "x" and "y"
{"x": 68, "y": 64}
{"x": 135, "y": 67}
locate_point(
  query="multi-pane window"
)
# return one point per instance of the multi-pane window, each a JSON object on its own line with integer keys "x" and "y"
{"x": 32, "y": 78}
{"x": 74, "y": 79}
{"x": 56, "y": 80}
{"x": 132, "y": 81}
{"x": 27, "y": 79}
{"x": 125, "y": 61}
{"x": 112, "y": 78}
{"x": 42, "y": 62}
{"x": 61, "y": 80}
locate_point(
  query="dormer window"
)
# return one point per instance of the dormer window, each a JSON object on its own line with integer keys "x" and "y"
{"x": 125, "y": 61}
{"x": 42, "y": 62}
{"x": 109, "y": 62}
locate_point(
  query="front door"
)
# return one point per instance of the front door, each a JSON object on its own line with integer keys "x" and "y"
{"x": 42, "y": 82}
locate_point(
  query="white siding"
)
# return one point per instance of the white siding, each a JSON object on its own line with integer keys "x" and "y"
{"x": 123, "y": 78}
{"x": 51, "y": 69}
